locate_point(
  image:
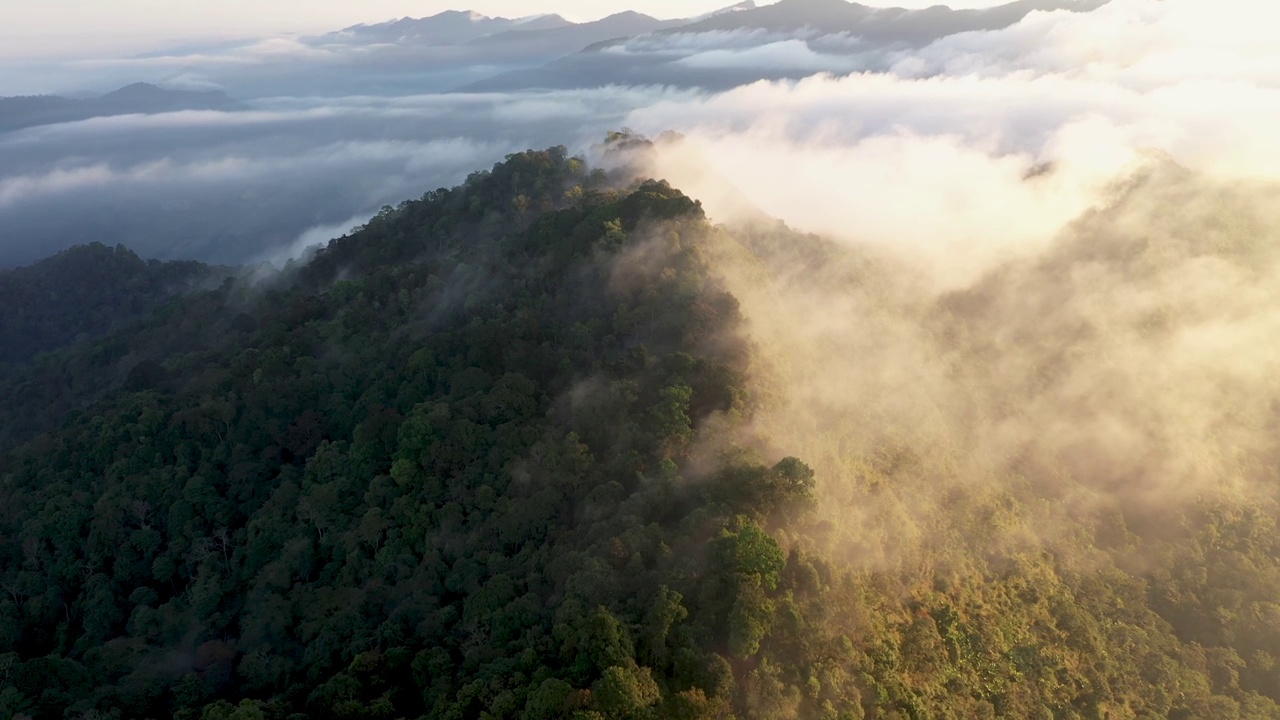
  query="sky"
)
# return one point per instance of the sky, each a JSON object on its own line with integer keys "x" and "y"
{"x": 45, "y": 28}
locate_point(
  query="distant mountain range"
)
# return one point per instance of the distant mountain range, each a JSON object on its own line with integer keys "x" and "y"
{"x": 140, "y": 98}
{"x": 871, "y": 24}
{"x": 462, "y": 51}
{"x": 452, "y": 27}
{"x": 624, "y": 24}
{"x": 462, "y": 27}
{"x": 868, "y": 28}
{"x": 878, "y": 25}
{"x": 477, "y": 38}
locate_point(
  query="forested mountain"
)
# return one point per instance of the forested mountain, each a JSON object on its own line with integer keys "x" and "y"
{"x": 139, "y": 98}
{"x": 511, "y": 451}
{"x": 86, "y": 291}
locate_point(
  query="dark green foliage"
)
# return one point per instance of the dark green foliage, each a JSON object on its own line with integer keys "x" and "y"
{"x": 433, "y": 471}
{"x": 83, "y": 295}
{"x": 84, "y": 292}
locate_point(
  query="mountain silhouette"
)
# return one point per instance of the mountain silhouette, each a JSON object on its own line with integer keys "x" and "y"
{"x": 140, "y": 98}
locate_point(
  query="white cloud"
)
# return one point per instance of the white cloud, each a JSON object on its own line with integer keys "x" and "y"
{"x": 16, "y": 189}
{"x": 401, "y": 157}
{"x": 931, "y": 155}
{"x": 312, "y": 238}
{"x": 228, "y": 186}
{"x": 783, "y": 55}
{"x": 680, "y": 44}
{"x": 934, "y": 156}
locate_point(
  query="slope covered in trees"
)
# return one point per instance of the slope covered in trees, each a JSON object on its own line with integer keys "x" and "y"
{"x": 84, "y": 292}
{"x": 510, "y": 451}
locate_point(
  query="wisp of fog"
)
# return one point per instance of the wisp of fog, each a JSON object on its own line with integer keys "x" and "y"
{"x": 1054, "y": 274}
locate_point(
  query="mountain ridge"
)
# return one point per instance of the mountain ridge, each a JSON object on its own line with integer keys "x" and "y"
{"x": 881, "y": 24}
{"x": 448, "y": 27}
{"x": 499, "y": 452}
{"x": 595, "y": 66}
{"x": 21, "y": 112}
{"x": 579, "y": 35}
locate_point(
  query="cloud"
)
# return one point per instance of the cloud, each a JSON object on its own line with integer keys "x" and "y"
{"x": 1127, "y": 364}
{"x": 934, "y": 168}
{"x": 1131, "y": 42}
{"x": 408, "y": 157}
{"x": 309, "y": 240}
{"x": 783, "y": 55}
{"x": 268, "y": 67}
{"x": 804, "y": 51}
{"x": 969, "y": 151}
{"x": 1055, "y": 290}
{"x": 985, "y": 145}
{"x": 235, "y": 186}
{"x": 680, "y": 44}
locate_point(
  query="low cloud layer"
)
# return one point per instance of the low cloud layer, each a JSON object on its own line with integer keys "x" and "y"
{"x": 235, "y": 186}
{"x": 984, "y": 145}
{"x": 782, "y": 55}
{"x": 1125, "y": 370}
{"x": 1052, "y": 304}
{"x": 267, "y": 67}
{"x": 973, "y": 150}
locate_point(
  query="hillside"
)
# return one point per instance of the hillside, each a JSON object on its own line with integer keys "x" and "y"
{"x": 140, "y": 98}
{"x": 82, "y": 293}
{"x": 551, "y": 445}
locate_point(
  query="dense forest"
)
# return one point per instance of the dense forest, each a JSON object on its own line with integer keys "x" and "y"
{"x": 85, "y": 292}
{"x": 550, "y": 444}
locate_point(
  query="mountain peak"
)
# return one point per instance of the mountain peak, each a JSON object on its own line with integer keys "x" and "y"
{"x": 627, "y": 15}
{"x": 138, "y": 88}
{"x": 744, "y": 5}
{"x": 543, "y": 18}
{"x": 143, "y": 92}
{"x": 451, "y": 27}
{"x": 469, "y": 15}
{"x": 810, "y": 4}
{"x": 887, "y": 25}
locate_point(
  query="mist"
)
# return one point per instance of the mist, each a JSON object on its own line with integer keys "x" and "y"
{"x": 1042, "y": 256}
{"x": 1038, "y": 295}
{"x": 325, "y": 127}
{"x": 230, "y": 187}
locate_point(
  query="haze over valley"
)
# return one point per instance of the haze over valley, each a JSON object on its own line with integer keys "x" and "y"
{"x": 255, "y": 147}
